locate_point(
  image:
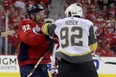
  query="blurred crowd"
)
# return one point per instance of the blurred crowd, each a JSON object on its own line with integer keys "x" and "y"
{"x": 101, "y": 12}
{"x": 16, "y": 11}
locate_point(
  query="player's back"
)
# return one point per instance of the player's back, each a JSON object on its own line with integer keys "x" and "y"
{"x": 73, "y": 35}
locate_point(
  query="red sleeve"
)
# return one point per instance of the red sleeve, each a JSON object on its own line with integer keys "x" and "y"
{"x": 27, "y": 35}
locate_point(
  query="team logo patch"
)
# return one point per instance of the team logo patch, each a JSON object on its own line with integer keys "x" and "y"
{"x": 37, "y": 29}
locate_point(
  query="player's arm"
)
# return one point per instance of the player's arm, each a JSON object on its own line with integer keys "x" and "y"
{"x": 5, "y": 34}
{"x": 28, "y": 36}
{"x": 92, "y": 39}
{"x": 49, "y": 29}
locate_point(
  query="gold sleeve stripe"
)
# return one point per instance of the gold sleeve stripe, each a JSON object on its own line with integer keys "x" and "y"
{"x": 93, "y": 47}
{"x": 45, "y": 29}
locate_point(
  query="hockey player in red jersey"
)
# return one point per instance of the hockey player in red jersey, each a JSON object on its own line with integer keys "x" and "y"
{"x": 34, "y": 44}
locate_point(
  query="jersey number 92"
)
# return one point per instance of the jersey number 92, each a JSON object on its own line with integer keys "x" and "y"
{"x": 65, "y": 34}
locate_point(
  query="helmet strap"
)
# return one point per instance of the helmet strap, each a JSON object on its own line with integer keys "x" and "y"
{"x": 34, "y": 16}
{"x": 69, "y": 14}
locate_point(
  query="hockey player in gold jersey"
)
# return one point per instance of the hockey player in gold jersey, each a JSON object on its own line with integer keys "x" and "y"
{"x": 76, "y": 43}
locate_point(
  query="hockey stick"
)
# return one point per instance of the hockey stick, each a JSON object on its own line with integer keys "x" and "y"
{"x": 32, "y": 71}
{"x": 98, "y": 57}
{"x": 114, "y": 63}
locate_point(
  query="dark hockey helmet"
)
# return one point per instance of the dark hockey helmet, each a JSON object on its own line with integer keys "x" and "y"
{"x": 34, "y": 8}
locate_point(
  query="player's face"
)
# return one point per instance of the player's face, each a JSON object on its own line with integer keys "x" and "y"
{"x": 40, "y": 16}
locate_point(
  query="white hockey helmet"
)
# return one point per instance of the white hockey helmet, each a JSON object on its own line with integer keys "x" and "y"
{"x": 74, "y": 9}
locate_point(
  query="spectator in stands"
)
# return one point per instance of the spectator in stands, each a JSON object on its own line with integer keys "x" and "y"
{"x": 105, "y": 51}
{"x": 91, "y": 13}
{"x": 112, "y": 10}
{"x": 20, "y": 4}
{"x": 109, "y": 37}
{"x": 108, "y": 51}
{"x": 13, "y": 40}
{"x": 113, "y": 44}
{"x": 100, "y": 50}
{"x": 34, "y": 44}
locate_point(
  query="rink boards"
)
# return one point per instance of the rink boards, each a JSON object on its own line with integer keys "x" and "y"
{"x": 9, "y": 66}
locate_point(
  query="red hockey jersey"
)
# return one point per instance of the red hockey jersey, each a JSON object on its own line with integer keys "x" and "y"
{"x": 33, "y": 43}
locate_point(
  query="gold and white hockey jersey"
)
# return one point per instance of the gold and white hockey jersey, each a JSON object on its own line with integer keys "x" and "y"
{"x": 76, "y": 38}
